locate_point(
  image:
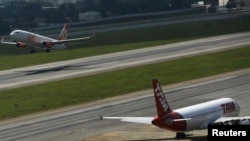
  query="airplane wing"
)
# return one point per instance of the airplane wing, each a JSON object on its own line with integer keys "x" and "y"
{"x": 232, "y": 119}
{"x": 144, "y": 120}
{"x": 71, "y": 40}
{"x": 9, "y": 43}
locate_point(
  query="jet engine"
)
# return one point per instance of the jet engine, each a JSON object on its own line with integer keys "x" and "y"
{"x": 47, "y": 44}
{"x": 244, "y": 122}
{"x": 21, "y": 45}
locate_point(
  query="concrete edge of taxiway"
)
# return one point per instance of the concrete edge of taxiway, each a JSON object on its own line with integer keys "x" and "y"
{"x": 117, "y": 98}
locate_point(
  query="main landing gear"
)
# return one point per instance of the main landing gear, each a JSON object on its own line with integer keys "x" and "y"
{"x": 180, "y": 135}
{"x": 47, "y": 50}
{"x": 32, "y": 50}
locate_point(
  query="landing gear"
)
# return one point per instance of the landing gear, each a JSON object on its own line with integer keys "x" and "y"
{"x": 47, "y": 50}
{"x": 32, "y": 50}
{"x": 180, "y": 135}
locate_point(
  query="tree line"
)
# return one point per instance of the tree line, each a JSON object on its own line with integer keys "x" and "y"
{"x": 24, "y": 14}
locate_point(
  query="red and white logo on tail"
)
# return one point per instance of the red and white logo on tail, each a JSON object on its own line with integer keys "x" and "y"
{"x": 160, "y": 100}
{"x": 198, "y": 116}
{"x": 166, "y": 118}
{"x": 63, "y": 34}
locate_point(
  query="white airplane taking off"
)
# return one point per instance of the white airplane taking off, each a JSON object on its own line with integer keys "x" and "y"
{"x": 22, "y": 39}
{"x": 223, "y": 111}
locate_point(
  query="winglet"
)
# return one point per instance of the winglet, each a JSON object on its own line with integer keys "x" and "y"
{"x": 101, "y": 118}
{"x": 93, "y": 35}
{"x": 2, "y": 39}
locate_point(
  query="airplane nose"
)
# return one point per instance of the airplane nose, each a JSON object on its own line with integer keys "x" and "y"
{"x": 11, "y": 34}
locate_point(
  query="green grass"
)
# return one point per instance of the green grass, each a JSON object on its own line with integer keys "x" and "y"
{"x": 57, "y": 94}
{"x": 53, "y": 95}
{"x": 109, "y": 42}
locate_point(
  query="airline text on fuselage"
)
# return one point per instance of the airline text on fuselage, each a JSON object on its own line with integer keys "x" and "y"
{"x": 31, "y": 38}
{"x": 228, "y": 107}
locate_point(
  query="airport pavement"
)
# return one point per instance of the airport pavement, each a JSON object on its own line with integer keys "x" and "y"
{"x": 82, "y": 122}
{"x": 147, "y": 133}
{"x": 97, "y": 64}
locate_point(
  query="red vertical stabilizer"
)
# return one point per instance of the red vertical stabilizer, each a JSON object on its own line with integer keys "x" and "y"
{"x": 160, "y": 99}
{"x": 63, "y": 34}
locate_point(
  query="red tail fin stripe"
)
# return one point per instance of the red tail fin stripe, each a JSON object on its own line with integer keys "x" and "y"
{"x": 160, "y": 100}
{"x": 161, "y": 97}
{"x": 63, "y": 34}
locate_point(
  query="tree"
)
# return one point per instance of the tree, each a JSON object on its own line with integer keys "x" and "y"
{"x": 68, "y": 12}
{"x": 108, "y": 7}
{"x": 86, "y": 5}
{"x": 30, "y": 11}
{"x": 4, "y": 27}
{"x": 51, "y": 15}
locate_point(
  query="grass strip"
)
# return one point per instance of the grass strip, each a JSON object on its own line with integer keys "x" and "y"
{"x": 123, "y": 40}
{"x": 57, "y": 94}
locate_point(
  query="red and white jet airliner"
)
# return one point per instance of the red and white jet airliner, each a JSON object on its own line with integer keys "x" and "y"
{"x": 220, "y": 111}
{"x": 22, "y": 39}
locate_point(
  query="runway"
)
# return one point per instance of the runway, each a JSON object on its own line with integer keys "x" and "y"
{"x": 120, "y": 60}
{"x": 80, "y": 123}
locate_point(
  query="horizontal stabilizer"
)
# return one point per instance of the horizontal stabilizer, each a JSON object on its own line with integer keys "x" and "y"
{"x": 144, "y": 120}
{"x": 184, "y": 119}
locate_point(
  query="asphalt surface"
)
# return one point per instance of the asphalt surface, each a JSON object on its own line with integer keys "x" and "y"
{"x": 97, "y": 64}
{"x": 82, "y": 122}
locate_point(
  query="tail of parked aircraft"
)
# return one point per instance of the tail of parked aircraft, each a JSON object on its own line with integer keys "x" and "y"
{"x": 63, "y": 34}
{"x": 160, "y": 100}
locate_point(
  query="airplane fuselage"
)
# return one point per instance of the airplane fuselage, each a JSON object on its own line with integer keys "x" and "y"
{"x": 223, "y": 111}
{"x": 32, "y": 39}
{"x": 201, "y": 114}
{"x": 22, "y": 39}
